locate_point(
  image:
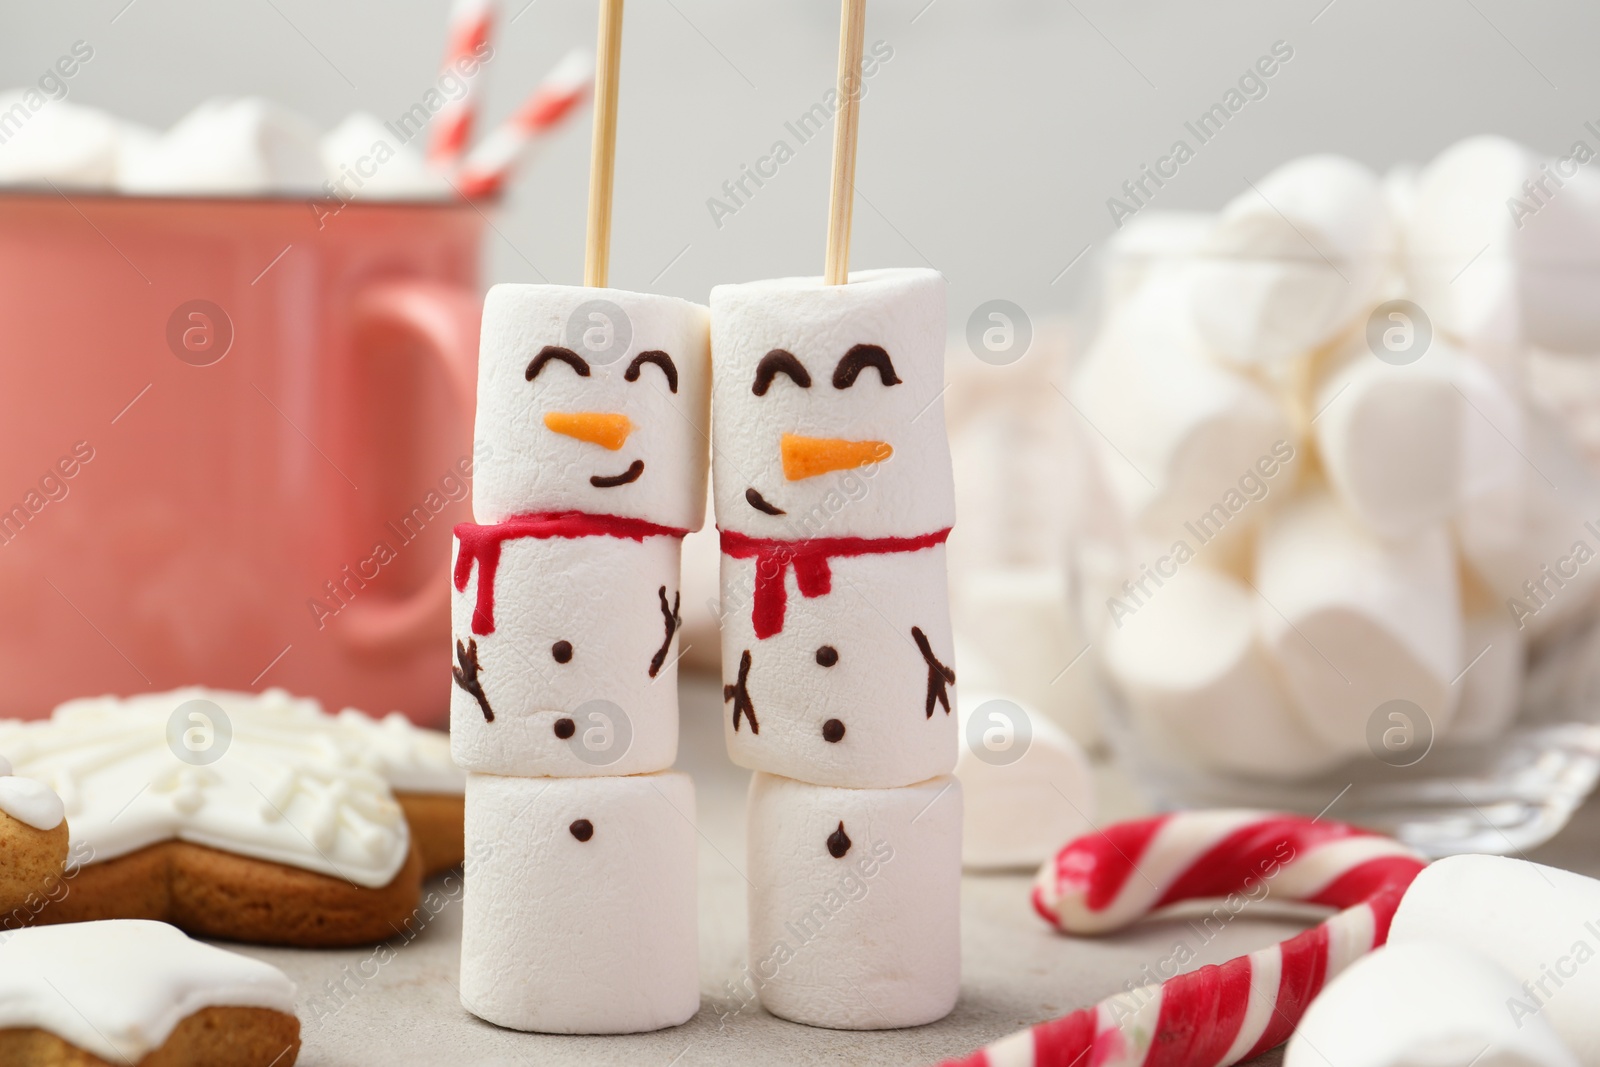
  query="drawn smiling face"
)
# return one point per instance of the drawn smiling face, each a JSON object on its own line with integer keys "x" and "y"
{"x": 829, "y": 413}
{"x": 592, "y": 400}
{"x": 607, "y": 429}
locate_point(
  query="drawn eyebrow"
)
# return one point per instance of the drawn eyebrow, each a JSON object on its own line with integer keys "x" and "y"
{"x": 556, "y": 352}
{"x": 660, "y": 359}
{"x": 776, "y": 362}
{"x": 858, "y": 359}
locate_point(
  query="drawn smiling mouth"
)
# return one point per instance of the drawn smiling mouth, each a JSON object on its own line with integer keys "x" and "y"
{"x": 635, "y": 469}
{"x": 759, "y": 502}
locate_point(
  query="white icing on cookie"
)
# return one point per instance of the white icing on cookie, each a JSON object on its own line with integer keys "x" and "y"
{"x": 31, "y": 802}
{"x": 293, "y": 785}
{"x": 119, "y": 987}
{"x": 414, "y": 760}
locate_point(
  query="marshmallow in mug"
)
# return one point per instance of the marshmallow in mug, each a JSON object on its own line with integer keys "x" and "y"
{"x": 579, "y": 912}
{"x": 595, "y": 401}
{"x": 813, "y": 383}
{"x": 363, "y": 162}
{"x": 1191, "y": 665}
{"x": 1539, "y": 923}
{"x": 1176, "y": 430}
{"x": 855, "y": 902}
{"x": 1423, "y": 1002}
{"x": 1354, "y": 620}
{"x": 230, "y": 147}
{"x": 58, "y": 142}
{"x": 1293, "y": 261}
{"x": 566, "y": 650}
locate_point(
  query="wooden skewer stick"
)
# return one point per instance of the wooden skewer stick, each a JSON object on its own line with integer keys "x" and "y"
{"x": 603, "y": 157}
{"x": 846, "y": 123}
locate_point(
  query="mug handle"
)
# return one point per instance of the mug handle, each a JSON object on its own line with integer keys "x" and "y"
{"x": 444, "y": 320}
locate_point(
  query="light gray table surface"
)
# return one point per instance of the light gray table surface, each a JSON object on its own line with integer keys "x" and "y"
{"x": 399, "y": 1006}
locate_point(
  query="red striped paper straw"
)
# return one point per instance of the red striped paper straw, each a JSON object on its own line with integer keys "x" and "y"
{"x": 471, "y": 22}
{"x": 490, "y": 164}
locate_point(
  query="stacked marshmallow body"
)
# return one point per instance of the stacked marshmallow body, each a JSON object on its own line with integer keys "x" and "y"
{"x": 580, "y": 903}
{"x": 834, "y": 497}
{"x": 580, "y": 906}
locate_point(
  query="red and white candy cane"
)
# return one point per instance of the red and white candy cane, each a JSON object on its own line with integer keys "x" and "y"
{"x": 470, "y": 24}
{"x": 489, "y": 164}
{"x": 1216, "y": 1015}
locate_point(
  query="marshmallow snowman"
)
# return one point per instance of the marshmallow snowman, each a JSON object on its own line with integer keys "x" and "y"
{"x": 579, "y": 914}
{"x": 593, "y": 406}
{"x": 834, "y": 497}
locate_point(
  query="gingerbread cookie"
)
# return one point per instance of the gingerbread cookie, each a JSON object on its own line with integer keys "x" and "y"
{"x": 251, "y": 817}
{"x": 132, "y": 992}
{"x": 33, "y": 846}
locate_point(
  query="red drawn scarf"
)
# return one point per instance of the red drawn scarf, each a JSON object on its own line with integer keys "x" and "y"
{"x": 481, "y": 545}
{"x": 810, "y": 559}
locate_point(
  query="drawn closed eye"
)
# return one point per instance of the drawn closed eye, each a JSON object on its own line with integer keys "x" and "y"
{"x": 858, "y": 359}
{"x": 776, "y": 362}
{"x": 660, "y": 359}
{"x": 555, "y": 353}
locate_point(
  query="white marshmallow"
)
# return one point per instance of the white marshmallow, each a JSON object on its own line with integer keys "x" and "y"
{"x": 1406, "y": 447}
{"x": 1491, "y": 688}
{"x": 44, "y": 140}
{"x": 364, "y": 160}
{"x": 1500, "y": 255}
{"x": 1457, "y": 244}
{"x": 700, "y": 640}
{"x": 229, "y": 147}
{"x": 602, "y": 596}
{"x": 1199, "y": 684}
{"x": 1148, "y": 241}
{"x": 1422, "y": 1004}
{"x": 766, "y": 443}
{"x": 1029, "y": 641}
{"x": 880, "y": 696}
{"x": 855, "y": 917}
{"x": 1293, "y": 261}
{"x": 1534, "y": 542}
{"x": 572, "y": 936}
{"x": 1354, "y": 621}
{"x": 1400, "y": 196}
{"x": 1558, "y": 275}
{"x": 1175, "y": 430}
{"x": 1539, "y": 923}
{"x": 1018, "y": 814}
{"x": 533, "y": 467}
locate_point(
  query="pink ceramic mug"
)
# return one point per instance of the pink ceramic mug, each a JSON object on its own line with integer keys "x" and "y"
{"x": 235, "y": 438}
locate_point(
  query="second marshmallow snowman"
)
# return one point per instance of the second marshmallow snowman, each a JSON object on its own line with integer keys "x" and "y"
{"x": 834, "y": 498}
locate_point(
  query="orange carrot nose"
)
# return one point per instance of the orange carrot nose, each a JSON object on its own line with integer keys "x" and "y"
{"x": 603, "y": 428}
{"x": 807, "y": 457}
